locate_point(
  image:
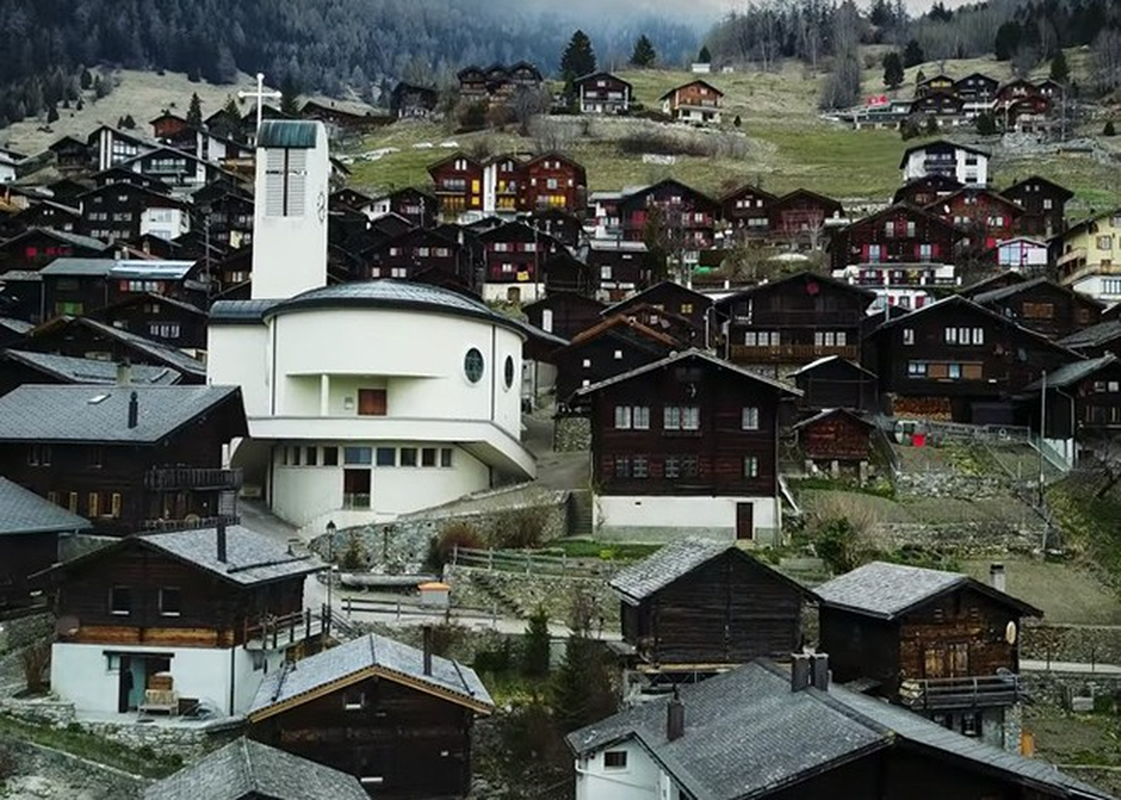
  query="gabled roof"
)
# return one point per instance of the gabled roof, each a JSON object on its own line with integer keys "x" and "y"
{"x": 760, "y": 288}
{"x": 150, "y": 269}
{"x": 138, "y": 187}
{"x": 824, "y": 360}
{"x": 23, "y": 511}
{"x": 690, "y": 354}
{"x": 459, "y": 154}
{"x": 1087, "y": 222}
{"x": 1073, "y": 373}
{"x": 747, "y": 736}
{"x": 1094, "y": 335}
{"x": 67, "y": 139}
{"x": 87, "y": 242}
{"x": 641, "y": 297}
{"x": 1066, "y": 193}
{"x": 149, "y": 297}
{"x": 367, "y": 657}
{"x": 696, "y": 82}
{"x": 982, "y": 286}
{"x": 829, "y": 412}
{"x": 676, "y": 559}
{"x": 654, "y": 187}
{"x": 940, "y": 144}
{"x": 798, "y": 194}
{"x": 252, "y": 559}
{"x": 934, "y": 180}
{"x": 911, "y": 210}
{"x": 89, "y": 413}
{"x": 987, "y": 78}
{"x": 69, "y": 369}
{"x": 747, "y": 188}
{"x": 601, "y": 74}
{"x": 888, "y": 591}
{"x": 622, "y": 320}
{"x": 966, "y": 191}
{"x": 149, "y": 348}
{"x": 1003, "y": 293}
{"x": 244, "y": 769}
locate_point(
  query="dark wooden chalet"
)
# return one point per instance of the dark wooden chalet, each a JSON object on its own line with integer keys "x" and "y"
{"x": 48, "y": 214}
{"x": 71, "y": 155}
{"x": 37, "y": 247}
{"x": 686, "y": 216}
{"x": 1043, "y": 306}
{"x": 67, "y": 189}
{"x": 565, "y": 314}
{"x": 998, "y": 280}
{"x": 563, "y": 272}
{"x": 620, "y": 268}
{"x": 83, "y": 337}
{"x": 612, "y": 347}
{"x": 748, "y": 210}
{"x": 111, "y": 147}
{"x": 168, "y": 125}
{"x": 350, "y": 199}
{"x": 458, "y": 184}
{"x": 1097, "y": 340}
{"x": 77, "y": 286}
{"x": 675, "y": 301}
{"x": 513, "y": 255}
{"x": 976, "y": 88}
{"x": 688, "y": 425}
{"x": 552, "y": 181}
{"x": 802, "y": 216}
{"x": 146, "y": 598}
{"x": 794, "y": 320}
{"x": 1043, "y": 203}
{"x": 177, "y": 168}
{"x": 124, "y": 211}
{"x": 939, "y": 104}
{"x": 242, "y": 768}
{"x": 602, "y": 93}
{"x": 20, "y": 367}
{"x": 159, "y": 317}
{"x": 416, "y": 207}
{"x": 901, "y": 238}
{"x": 956, "y": 360}
{"x": 127, "y": 457}
{"x": 1083, "y": 401}
{"x": 421, "y": 251}
{"x": 410, "y": 101}
{"x": 397, "y": 718}
{"x": 925, "y": 190}
{"x": 982, "y": 216}
{"x": 934, "y": 84}
{"x": 835, "y": 382}
{"x": 225, "y": 213}
{"x": 30, "y": 526}
{"x": 561, "y": 225}
{"x": 699, "y": 605}
{"x": 390, "y": 224}
{"x": 939, "y": 643}
{"x": 835, "y": 435}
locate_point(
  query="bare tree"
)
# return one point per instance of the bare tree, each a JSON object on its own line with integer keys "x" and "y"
{"x": 1107, "y": 60}
{"x": 525, "y": 104}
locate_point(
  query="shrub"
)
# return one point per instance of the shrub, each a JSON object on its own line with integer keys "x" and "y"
{"x": 498, "y": 661}
{"x": 354, "y": 557}
{"x": 520, "y": 529}
{"x": 36, "y": 659}
{"x": 1109, "y": 130}
{"x": 837, "y": 544}
{"x": 444, "y": 637}
{"x": 454, "y": 534}
{"x": 535, "y": 656}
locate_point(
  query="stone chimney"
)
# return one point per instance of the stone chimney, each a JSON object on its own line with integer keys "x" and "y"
{"x": 133, "y": 410}
{"x": 221, "y": 541}
{"x": 996, "y": 577}
{"x": 124, "y": 373}
{"x": 675, "y": 718}
{"x": 427, "y": 650}
{"x": 800, "y": 671}
{"x": 819, "y": 671}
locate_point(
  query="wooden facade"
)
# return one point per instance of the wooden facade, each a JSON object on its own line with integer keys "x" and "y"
{"x": 983, "y": 217}
{"x": 687, "y": 217}
{"x": 602, "y": 93}
{"x": 801, "y": 216}
{"x": 728, "y": 610}
{"x": 552, "y": 181}
{"x": 673, "y": 302}
{"x": 612, "y": 347}
{"x": 900, "y": 235}
{"x": 564, "y": 314}
{"x": 688, "y": 425}
{"x": 419, "y": 251}
{"x": 923, "y": 191}
{"x": 795, "y": 320}
{"x": 835, "y": 435}
{"x": 411, "y": 101}
{"x": 514, "y": 253}
{"x": 835, "y": 382}
{"x": 621, "y": 268}
{"x": 115, "y": 211}
{"x": 1043, "y": 203}
{"x": 164, "y": 319}
{"x": 696, "y": 101}
{"x": 1045, "y": 307}
{"x": 748, "y": 210}
{"x": 565, "y": 273}
{"x": 458, "y": 184}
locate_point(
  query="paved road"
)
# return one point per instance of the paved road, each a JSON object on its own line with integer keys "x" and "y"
{"x": 1029, "y": 665}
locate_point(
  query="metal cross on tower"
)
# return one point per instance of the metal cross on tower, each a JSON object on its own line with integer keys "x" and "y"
{"x": 260, "y": 96}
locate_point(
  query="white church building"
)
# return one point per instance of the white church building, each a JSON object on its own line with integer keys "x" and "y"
{"x": 365, "y": 400}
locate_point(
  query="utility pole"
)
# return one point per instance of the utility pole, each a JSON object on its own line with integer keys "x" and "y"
{"x": 1042, "y": 430}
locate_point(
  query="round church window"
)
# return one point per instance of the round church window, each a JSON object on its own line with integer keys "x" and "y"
{"x": 473, "y": 365}
{"x": 509, "y": 371}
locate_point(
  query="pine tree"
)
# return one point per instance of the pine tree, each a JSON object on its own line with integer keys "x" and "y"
{"x": 194, "y": 111}
{"x": 289, "y": 97}
{"x": 1109, "y": 129}
{"x": 1060, "y": 71}
{"x": 52, "y": 114}
{"x": 643, "y": 55}
{"x": 893, "y": 70}
{"x": 86, "y": 80}
{"x": 986, "y": 125}
{"x": 535, "y": 657}
{"x": 578, "y": 59}
{"x": 582, "y": 692}
{"x": 1008, "y": 38}
{"x": 704, "y": 57}
{"x": 913, "y": 54}
{"x": 128, "y": 123}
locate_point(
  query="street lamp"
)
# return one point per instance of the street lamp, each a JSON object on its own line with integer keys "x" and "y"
{"x": 331, "y": 529}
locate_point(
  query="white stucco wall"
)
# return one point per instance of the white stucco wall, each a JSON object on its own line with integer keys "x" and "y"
{"x": 709, "y": 515}
{"x": 80, "y": 674}
{"x": 639, "y": 780}
{"x": 528, "y": 291}
{"x": 237, "y": 355}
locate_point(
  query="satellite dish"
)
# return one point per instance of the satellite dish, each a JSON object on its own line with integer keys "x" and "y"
{"x": 1010, "y": 633}
{"x": 67, "y": 626}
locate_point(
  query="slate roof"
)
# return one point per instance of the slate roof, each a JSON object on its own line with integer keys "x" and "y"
{"x": 821, "y": 362}
{"x": 149, "y": 347}
{"x": 828, "y": 412}
{"x": 88, "y": 242}
{"x": 23, "y": 511}
{"x": 1094, "y": 335}
{"x": 996, "y": 295}
{"x": 251, "y": 558}
{"x": 15, "y": 325}
{"x": 73, "y": 413}
{"x": 1070, "y": 374}
{"x": 291, "y": 134}
{"x": 361, "y": 658}
{"x": 245, "y": 768}
{"x": 888, "y": 591}
{"x": 748, "y": 735}
{"x": 70, "y": 369}
{"x": 693, "y": 352}
{"x": 240, "y": 312}
{"x": 663, "y": 567}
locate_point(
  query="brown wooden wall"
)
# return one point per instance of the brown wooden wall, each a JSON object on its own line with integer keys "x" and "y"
{"x": 1050, "y": 310}
{"x": 22, "y": 555}
{"x": 419, "y": 744}
{"x": 860, "y": 646}
{"x": 727, "y": 611}
{"x": 837, "y": 436}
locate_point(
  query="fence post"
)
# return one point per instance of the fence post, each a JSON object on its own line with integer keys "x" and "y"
{"x": 398, "y": 610}
{"x": 455, "y": 555}
{"x": 490, "y": 560}
{"x": 528, "y": 563}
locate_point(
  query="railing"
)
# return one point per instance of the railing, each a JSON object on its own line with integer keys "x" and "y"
{"x": 164, "y": 478}
{"x": 356, "y": 501}
{"x": 190, "y": 523}
{"x": 975, "y": 692}
{"x": 1087, "y": 270}
{"x": 799, "y": 352}
{"x": 273, "y": 632}
{"x": 527, "y": 561}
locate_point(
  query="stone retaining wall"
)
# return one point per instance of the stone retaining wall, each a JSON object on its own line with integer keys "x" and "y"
{"x": 572, "y": 434}
{"x": 23, "y": 631}
{"x": 50, "y": 773}
{"x": 1058, "y": 688}
{"x": 521, "y": 593}
{"x": 1083, "y": 644}
{"x": 951, "y": 484}
{"x": 53, "y": 713}
{"x": 964, "y": 539}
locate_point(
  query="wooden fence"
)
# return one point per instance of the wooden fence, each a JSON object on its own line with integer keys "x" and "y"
{"x": 527, "y": 562}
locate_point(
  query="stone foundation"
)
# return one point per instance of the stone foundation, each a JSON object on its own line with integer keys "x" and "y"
{"x": 964, "y": 539}
{"x": 48, "y": 773}
{"x": 572, "y": 434}
{"x": 519, "y": 594}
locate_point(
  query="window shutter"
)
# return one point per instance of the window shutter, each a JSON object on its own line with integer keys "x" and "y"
{"x": 297, "y": 183}
{"x": 274, "y": 183}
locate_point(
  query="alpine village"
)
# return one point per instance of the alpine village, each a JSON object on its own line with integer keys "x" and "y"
{"x": 723, "y": 413}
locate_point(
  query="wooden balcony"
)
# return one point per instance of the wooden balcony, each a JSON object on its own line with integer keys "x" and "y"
{"x": 790, "y": 353}
{"x": 937, "y": 694}
{"x": 275, "y": 633}
{"x": 1088, "y": 271}
{"x": 194, "y": 478}
{"x": 191, "y": 522}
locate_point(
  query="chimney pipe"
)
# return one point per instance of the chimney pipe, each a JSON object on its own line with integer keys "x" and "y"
{"x": 124, "y": 373}
{"x": 222, "y": 542}
{"x": 427, "y": 650}
{"x": 675, "y": 718}
{"x": 819, "y": 671}
{"x": 799, "y": 672}
{"x": 133, "y": 410}
{"x": 996, "y": 577}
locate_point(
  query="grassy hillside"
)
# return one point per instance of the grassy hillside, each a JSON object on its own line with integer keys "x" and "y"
{"x": 782, "y": 143}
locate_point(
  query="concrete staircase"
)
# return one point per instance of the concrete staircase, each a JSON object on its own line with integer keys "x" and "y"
{"x": 581, "y": 513}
